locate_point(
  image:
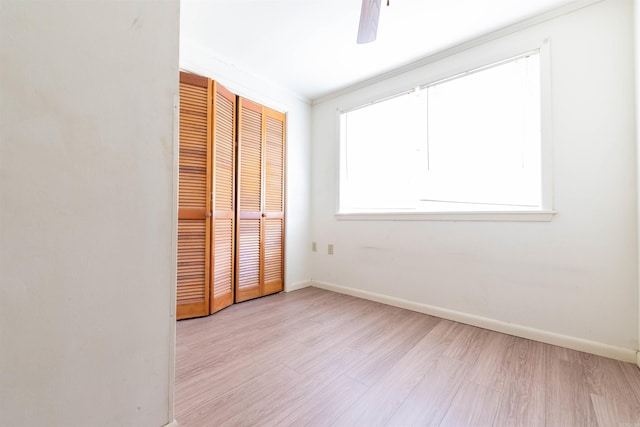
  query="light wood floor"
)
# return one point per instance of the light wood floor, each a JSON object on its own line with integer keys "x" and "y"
{"x": 313, "y": 357}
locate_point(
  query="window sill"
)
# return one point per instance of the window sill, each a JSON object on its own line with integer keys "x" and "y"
{"x": 498, "y": 216}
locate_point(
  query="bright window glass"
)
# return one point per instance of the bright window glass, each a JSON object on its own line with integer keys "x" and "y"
{"x": 471, "y": 142}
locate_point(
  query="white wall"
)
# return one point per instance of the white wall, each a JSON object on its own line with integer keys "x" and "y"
{"x": 87, "y": 202}
{"x": 636, "y": 26}
{"x": 576, "y": 276}
{"x": 197, "y": 59}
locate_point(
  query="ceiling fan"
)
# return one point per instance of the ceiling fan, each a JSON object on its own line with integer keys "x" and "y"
{"x": 369, "y": 17}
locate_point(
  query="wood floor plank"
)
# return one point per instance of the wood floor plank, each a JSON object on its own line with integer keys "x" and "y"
{"x": 490, "y": 367}
{"x": 323, "y": 406}
{"x": 606, "y": 413}
{"x": 208, "y": 361}
{"x": 388, "y": 394}
{"x": 337, "y": 338}
{"x": 386, "y": 353}
{"x": 522, "y": 401}
{"x": 473, "y": 405}
{"x": 273, "y": 405}
{"x": 351, "y": 329}
{"x": 429, "y": 401}
{"x": 395, "y": 320}
{"x": 332, "y": 312}
{"x": 217, "y": 379}
{"x": 615, "y": 412}
{"x": 229, "y": 326}
{"x": 632, "y": 375}
{"x": 345, "y": 358}
{"x": 467, "y": 344}
{"x": 567, "y": 400}
{"x": 600, "y": 372}
{"x": 566, "y": 354}
{"x": 215, "y": 409}
{"x": 322, "y": 325}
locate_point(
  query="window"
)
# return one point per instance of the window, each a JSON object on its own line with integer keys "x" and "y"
{"x": 469, "y": 143}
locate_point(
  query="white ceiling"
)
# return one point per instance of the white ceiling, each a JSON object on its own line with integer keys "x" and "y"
{"x": 309, "y": 46}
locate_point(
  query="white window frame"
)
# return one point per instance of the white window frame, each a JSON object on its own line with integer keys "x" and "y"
{"x": 545, "y": 213}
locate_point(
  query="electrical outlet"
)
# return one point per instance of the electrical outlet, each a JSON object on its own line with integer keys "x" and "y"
{"x": 330, "y": 249}
{"x": 314, "y": 247}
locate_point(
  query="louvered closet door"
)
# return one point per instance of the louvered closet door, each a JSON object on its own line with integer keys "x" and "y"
{"x": 222, "y": 288}
{"x": 248, "y": 266}
{"x": 273, "y": 212}
{"x": 260, "y": 231}
{"x": 194, "y": 207}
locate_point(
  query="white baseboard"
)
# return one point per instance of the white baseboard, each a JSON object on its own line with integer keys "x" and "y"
{"x": 579, "y": 344}
{"x": 173, "y": 423}
{"x": 298, "y": 285}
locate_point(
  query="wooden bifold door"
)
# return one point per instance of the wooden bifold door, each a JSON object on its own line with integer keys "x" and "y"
{"x": 260, "y": 201}
{"x": 230, "y": 207}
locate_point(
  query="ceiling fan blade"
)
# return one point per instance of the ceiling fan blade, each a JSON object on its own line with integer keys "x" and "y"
{"x": 369, "y": 16}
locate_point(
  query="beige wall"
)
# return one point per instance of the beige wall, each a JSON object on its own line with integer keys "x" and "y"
{"x": 87, "y": 202}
